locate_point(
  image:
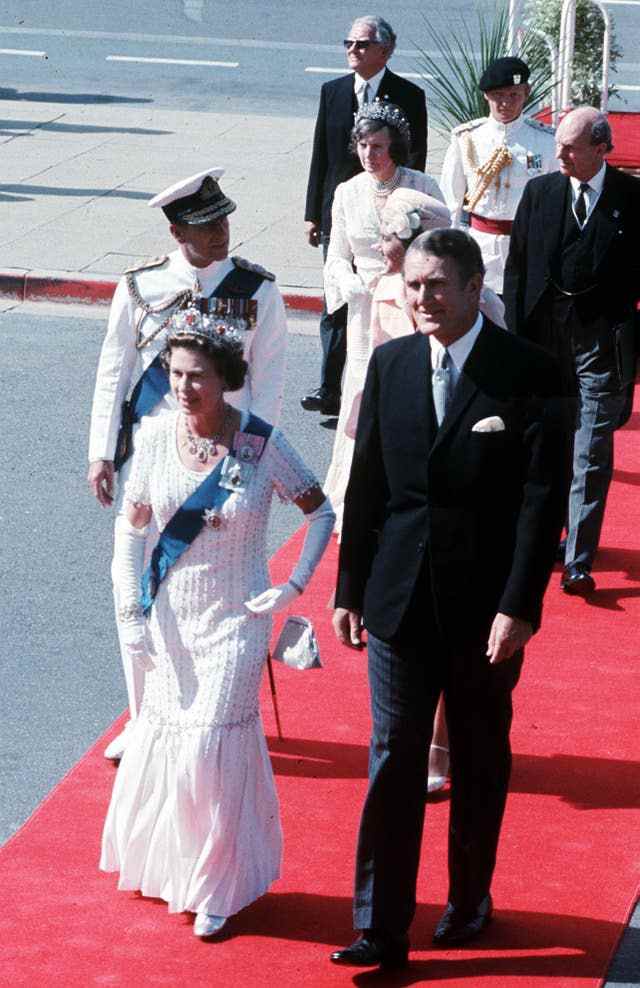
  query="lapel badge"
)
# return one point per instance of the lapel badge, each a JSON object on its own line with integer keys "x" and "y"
{"x": 616, "y": 213}
{"x": 211, "y": 518}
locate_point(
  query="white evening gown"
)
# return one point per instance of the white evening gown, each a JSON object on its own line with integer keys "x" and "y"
{"x": 355, "y": 230}
{"x": 194, "y": 815}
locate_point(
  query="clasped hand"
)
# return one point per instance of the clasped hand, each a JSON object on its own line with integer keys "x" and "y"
{"x": 273, "y": 599}
{"x": 137, "y": 641}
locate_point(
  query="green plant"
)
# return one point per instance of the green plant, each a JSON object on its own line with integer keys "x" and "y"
{"x": 587, "y": 54}
{"x": 454, "y": 72}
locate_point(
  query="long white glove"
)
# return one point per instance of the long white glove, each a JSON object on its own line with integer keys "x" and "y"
{"x": 127, "y": 566}
{"x": 320, "y": 526}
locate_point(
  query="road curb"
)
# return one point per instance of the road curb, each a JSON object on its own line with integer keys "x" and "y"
{"x": 88, "y": 289}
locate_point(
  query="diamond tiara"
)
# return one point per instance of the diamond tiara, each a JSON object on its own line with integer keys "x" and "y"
{"x": 214, "y": 329}
{"x": 388, "y": 113}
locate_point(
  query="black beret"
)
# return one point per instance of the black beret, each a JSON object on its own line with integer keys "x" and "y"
{"x": 504, "y": 72}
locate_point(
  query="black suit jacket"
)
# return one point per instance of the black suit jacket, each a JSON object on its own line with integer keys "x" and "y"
{"x": 535, "y": 238}
{"x": 331, "y": 160}
{"x": 482, "y": 510}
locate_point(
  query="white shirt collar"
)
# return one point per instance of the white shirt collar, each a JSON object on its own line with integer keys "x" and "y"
{"x": 505, "y": 130}
{"x": 374, "y": 84}
{"x": 460, "y": 350}
{"x": 595, "y": 183}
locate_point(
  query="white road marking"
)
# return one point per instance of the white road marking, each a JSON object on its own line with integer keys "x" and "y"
{"x": 629, "y": 89}
{"x": 23, "y": 51}
{"x": 172, "y": 61}
{"x": 623, "y": 3}
{"x": 198, "y": 40}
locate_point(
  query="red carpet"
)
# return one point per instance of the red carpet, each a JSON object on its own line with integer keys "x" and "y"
{"x": 568, "y": 867}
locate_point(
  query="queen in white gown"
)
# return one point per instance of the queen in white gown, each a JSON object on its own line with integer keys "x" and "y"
{"x": 194, "y": 816}
{"x": 381, "y": 137}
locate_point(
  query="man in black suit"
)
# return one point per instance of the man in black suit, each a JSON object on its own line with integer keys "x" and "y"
{"x": 451, "y": 521}
{"x": 571, "y": 283}
{"x": 369, "y": 47}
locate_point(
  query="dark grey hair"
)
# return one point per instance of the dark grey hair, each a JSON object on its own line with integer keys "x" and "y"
{"x": 399, "y": 148}
{"x": 601, "y": 132}
{"x": 456, "y": 244}
{"x": 384, "y": 32}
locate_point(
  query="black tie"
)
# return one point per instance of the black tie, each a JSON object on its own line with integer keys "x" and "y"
{"x": 581, "y": 204}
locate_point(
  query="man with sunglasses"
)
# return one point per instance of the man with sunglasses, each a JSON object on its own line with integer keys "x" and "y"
{"x": 369, "y": 46}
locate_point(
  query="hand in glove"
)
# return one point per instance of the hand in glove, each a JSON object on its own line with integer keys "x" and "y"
{"x": 137, "y": 641}
{"x": 273, "y": 599}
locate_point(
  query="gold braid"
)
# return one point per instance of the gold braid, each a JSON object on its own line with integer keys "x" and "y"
{"x": 486, "y": 173}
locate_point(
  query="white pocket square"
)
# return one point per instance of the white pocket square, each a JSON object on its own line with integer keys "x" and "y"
{"x": 493, "y": 424}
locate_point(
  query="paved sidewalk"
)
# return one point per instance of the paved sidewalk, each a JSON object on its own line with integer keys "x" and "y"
{"x": 75, "y": 181}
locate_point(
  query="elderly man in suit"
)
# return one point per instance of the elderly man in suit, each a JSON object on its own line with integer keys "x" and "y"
{"x": 369, "y": 46}
{"x": 571, "y": 284}
{"x": 452, "y": 516}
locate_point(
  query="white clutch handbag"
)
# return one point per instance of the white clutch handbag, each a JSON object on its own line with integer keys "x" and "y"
{"x": 297, "y": 645}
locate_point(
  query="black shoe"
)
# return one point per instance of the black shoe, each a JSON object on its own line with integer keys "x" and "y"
{"x": 459, "y": 925}
{"x": 373, "y": 948}
{"x": 321, "y": 401}
{"x": 313, "y": 401}
{"x": 577, "y": 580}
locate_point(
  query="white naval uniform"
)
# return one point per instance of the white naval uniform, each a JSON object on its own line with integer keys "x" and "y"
{"x": 532, "y": 148}
{"x": 124, "y": 358}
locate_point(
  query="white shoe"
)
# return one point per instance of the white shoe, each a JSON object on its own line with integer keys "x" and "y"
{"x": 206, "y": 925}
{"x": 115, "y": 749}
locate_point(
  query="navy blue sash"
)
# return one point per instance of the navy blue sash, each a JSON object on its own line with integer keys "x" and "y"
{"x": 154, "y": 382}
{"x": 188, "y": 522}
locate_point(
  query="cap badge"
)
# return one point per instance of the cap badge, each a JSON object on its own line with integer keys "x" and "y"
{"x": 208, "y": 189}
{"x": 516, "y": 79}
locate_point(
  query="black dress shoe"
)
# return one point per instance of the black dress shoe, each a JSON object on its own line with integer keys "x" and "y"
{"x": 577, "y": 580}
{"x": 459, "y": 925}
{"x": 321, "y": 401}
{"x": 373, "y": 948}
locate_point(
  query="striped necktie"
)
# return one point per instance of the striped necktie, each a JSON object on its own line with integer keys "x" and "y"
{"x": 581, "y": 204}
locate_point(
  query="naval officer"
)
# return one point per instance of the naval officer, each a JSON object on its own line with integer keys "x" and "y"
{"x": 131, "y": 382}
{"x": 490, "y": 160}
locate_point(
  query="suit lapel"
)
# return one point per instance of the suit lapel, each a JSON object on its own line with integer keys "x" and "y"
{"x": 416, "y": 393}
{"x": 607, "y": 225}
{"x": 553, "y": 212}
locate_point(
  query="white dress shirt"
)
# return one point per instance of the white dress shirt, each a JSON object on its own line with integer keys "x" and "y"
{"x": 591, "y": 197}
{"x": 374, "y": 84}
{"x": 458, "y": 351}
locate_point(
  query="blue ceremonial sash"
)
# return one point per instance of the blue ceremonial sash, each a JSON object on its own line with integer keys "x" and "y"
{"x": 189, "y": 520}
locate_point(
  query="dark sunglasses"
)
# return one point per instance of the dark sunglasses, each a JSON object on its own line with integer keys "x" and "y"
{"x": 359, "y": 45}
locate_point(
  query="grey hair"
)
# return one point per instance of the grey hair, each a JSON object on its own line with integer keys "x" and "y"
{"x": 601, "y": 132}
{"x": 456, "y": 244}
{"x": 384, "y": 32}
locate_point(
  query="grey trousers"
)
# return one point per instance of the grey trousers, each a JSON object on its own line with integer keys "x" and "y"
{"x": 587, "y": 352}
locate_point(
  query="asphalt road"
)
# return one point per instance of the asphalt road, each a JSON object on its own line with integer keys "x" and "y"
{"x": 60, "y": 678}
{"x": 269, "y": 57}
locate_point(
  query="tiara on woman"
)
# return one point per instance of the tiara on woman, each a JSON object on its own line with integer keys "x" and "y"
{"x": 192, "y": 322}
{"x": 390, "y": 114}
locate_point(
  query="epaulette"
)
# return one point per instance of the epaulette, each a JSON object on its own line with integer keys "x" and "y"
{"x": 539, "y": 125}
{"x": 469, "y": 125}
{"x": 152, "y": 262}
{"x": 241, "y": 262}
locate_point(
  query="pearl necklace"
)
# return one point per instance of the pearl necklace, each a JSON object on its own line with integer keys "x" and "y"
{"x": 386, "y": 188}
{"x": 202, "y": 447}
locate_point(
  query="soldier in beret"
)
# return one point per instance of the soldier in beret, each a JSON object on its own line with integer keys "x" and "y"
{"x": 491, "y": 159}
{"x": 131, "y": 381}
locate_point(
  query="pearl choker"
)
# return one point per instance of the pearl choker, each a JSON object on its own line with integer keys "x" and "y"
{"x": 386, "y": 188}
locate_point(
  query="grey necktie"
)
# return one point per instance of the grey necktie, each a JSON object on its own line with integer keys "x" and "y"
{"x": 441, "y": 384}
{"x": 365, "y": 94}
